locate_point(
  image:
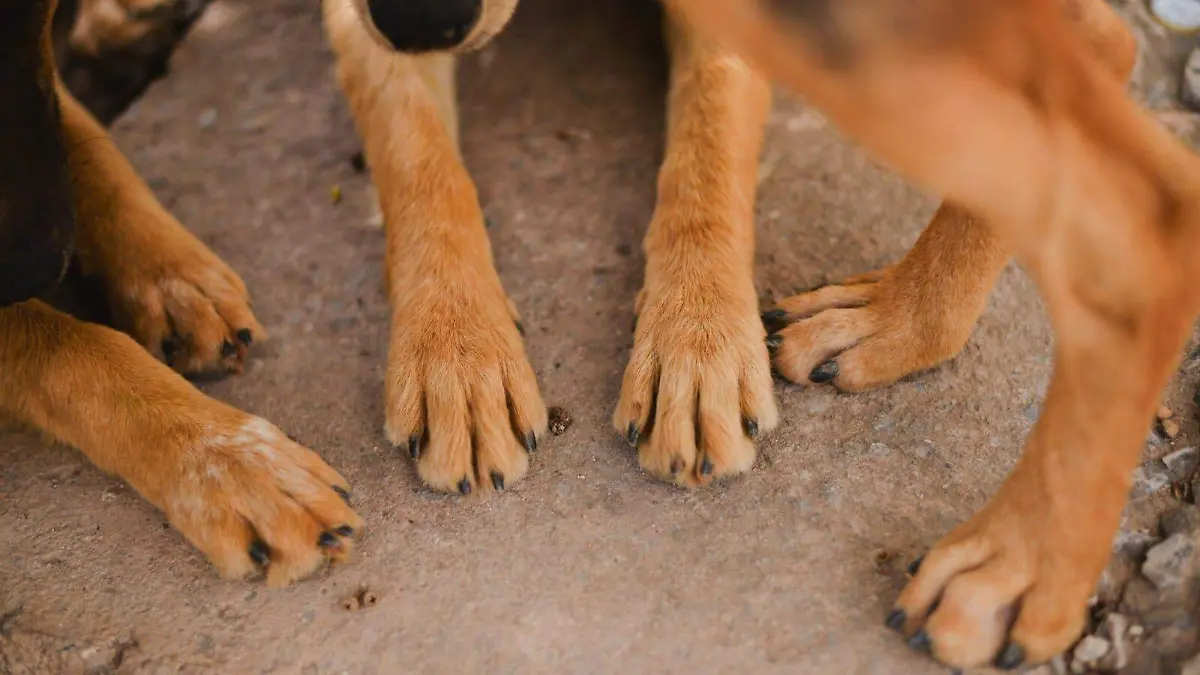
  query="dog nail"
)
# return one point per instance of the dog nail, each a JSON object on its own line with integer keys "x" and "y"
{"x": 1011, "y": 657}
{"x": 896, "y": 620}
{"x": 327, "y": 540}
{"x": 488, "y": 223}
{"x": 774, "y": 340}
{"x": 521, "y": 328}
{"x": 775, "y": 318}
{"x": 343, "y": 493}
{"x": 414, "y": 447}
{"x": 260, "y": 554}
{"x": 531, "y": 442}
{"x": 464, "y": 486}
{"x": 751, "y": 427}
{"x": 676, "y": 466}
{"x": 706, "y": 467}
{"x": 358, "y": 162}
{"x": 344, "y": 531}
{"x": 170, "y": 347}
{"x": 227, "y": 349}
{"x": 633, "y": 328}
{"x": 920, "y": 642}
{"x": 824, "y": 372}
{"x": 497, "y": 481}
{"x": 915, "y": 566}
{"x": 245, "y": 337}
{"x": 632, "y": 434}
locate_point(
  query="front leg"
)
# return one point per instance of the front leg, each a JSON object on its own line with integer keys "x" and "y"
{"x": 237, "y": 487}
{"x": 461, "y": 395}
{"x": 698, "y": 385}
{"x": 164, "y": 286}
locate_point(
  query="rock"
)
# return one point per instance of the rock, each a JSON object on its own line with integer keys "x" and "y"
{"x": 1115, "y": 627}
{"x": 1190, "y": 91}
{"x": 1163, "y": 412}
{"x": 1169, "y": 563}
{"x": 1170, "y": 428}
{"x": 879, "y": 450}
{"x": 206, "y": 118}
{"x": 1134, "y": 544}
{"x": 1091, "y": 649}
{"x": 1182, "y": 16}
{"x": 1183, "y": 520}
{"x": 1149, "y": 478}
{"x": 1181, "y": 463}
{"x": 560, "y": 421}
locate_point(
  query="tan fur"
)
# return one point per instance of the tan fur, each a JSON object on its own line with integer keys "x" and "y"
{"x": 1013, "y": 110}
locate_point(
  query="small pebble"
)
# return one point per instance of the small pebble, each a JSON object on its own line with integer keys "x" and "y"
{"x": 1091, "y": 649}
{"x": 335, "y": 194}
{"x": 1182, "y": 462}
{"x": 1169, "y": 562}
{"x": 1163, "y": 412}
{"x": 207, "y": 118}
{"x": 560, "y": 421}
{"x": 1190, "y": 91}
{"x": 1170, "y": 428}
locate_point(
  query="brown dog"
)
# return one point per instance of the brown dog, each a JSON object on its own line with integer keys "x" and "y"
{"x": 1017, "y": 111}
{"x": 233, "y": 484}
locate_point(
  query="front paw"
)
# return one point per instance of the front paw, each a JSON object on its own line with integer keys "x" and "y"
{"x": 254, "y": 501}
{"x": 1010, "y": 587}
{"x": 697, "y": 389}
{"x": 871, "y": 330}
{"x": 462, "y": 399}
{"x": 181, "y": 302}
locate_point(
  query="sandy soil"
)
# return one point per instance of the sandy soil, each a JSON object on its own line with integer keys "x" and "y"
{"x": 587, "y": 565}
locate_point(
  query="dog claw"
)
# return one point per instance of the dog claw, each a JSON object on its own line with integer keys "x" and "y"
{"x": 896, "y": 620}
{"x": 1011, "y": 657}
{"x": 823, "y": 373}
{"x": 464, "y": 486}
{"x": 260, "y": 554}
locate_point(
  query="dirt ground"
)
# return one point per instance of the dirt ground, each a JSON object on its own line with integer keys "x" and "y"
{"x": 587, "y": 565}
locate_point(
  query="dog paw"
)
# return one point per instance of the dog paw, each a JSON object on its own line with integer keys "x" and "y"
{"x": 143, "y": 27}
{"x": 462, "y": 399}
{"x": 1009, "y": 587}
{"x": 870, "y": 330}
{"x": 182, "y": 303}
{"x": 254, "y": 501}
{"x": 698, "y": 388}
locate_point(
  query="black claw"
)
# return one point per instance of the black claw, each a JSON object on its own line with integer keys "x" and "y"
{"x": 751, "y": 427}
{"x": 487, "y": 223}
{"x": 227, "y": 349}
{"x": 1011, "y": 657}
{"x": 521, "y": 328}
{"x": 676, "y": 466}
{"x": 632, "y": 434}
{"x": 633, "y": 328}
{"x": 358, "y": 162}
{"x": 498, "y": 480}
{"x": 170, "y": 347}
{"x": 344, "y": 531}
{"x": 260, "y": 554}
{"x": 706, "y": 467}
{"x": 245, "y": 337}
{"x": 531, "y": 442}
{"x": 921, "y": 642}
{"x": 774, "y": 340}
{"x": 414, "y": 446}
{"x": 327, "y": 540}
{"x": 915, "y": 566}
{"x": 823, "y": 373}
{"x": 464, "y": 486}
{"x": 896, "y": 620}
{"x": 343, "y": 493}
{"x": 775, "y": 319}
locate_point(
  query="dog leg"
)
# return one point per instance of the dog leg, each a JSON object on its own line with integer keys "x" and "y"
{"x": 873, "y": 329}
{"x": 461, "y": 395}
{"x": 165, "y": 287}
{"x": 1004, "y": 109}
{"x": 232, "y": 483}
{"x": 698, "y": 384}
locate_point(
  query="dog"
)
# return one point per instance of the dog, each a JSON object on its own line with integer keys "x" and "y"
{"x": 462, "y": 399}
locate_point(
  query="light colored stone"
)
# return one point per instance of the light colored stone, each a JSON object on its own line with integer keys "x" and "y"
{"x": 1149, "y": 478}
{"x": 1182, "y": 462}
{"x": 1189, "y": 91}
{"x": 1168, "y": 563}
{"x": 1091, "y": 649}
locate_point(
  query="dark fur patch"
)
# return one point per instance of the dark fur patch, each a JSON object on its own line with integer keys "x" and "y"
{"x": 36, "y": 221}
